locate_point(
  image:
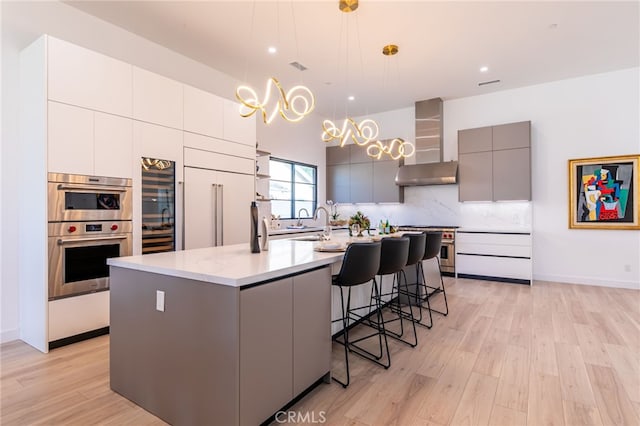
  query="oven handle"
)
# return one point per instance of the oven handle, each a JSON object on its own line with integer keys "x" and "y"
{"x": 92, "y": 188}
{"x": 82, "y": 240}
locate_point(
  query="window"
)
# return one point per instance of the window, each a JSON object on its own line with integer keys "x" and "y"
{"x": 293, "y": 186}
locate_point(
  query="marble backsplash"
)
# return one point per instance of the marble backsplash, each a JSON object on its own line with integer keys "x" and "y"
{"x": 438, "y": 205}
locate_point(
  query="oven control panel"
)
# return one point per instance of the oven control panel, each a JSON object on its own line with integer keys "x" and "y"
{"x": 60, "y": 229}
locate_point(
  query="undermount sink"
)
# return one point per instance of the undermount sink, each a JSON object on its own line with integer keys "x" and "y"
{"x": 309, "y": 238}
{"x": 296, "y": 226}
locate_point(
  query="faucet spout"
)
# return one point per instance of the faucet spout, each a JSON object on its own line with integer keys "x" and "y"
{"x": 299, "y": 223}
{"x": 326, "y": 215}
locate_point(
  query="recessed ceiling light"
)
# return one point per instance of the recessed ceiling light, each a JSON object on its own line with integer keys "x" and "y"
{"x": 272, "y": 50}
{"x": 484, "y": 69}
{"x": 351, "y": 98}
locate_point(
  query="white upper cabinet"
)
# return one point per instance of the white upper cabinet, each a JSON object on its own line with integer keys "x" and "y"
{"x": 70, "y": 134}
{"x": 88, "y": 79}
{"x": 151, "y": 141}
{"x": 157, "y": 99}
{"x": 238, "y": 128}
{"x": 203, "y": 112}
{"x": 85, "y": 142}
{"x": 113, "y": 145}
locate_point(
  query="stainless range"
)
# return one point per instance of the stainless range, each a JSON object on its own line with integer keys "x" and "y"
{"x": 447, "y": 250}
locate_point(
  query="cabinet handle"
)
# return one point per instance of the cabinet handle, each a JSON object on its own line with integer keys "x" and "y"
{"x": 109, "y": 189}
{"x": 214, "y": 206}
{"x": 181, "y": 185}
{"x": 221, "y": 214}
{"x": 84, "y": 240}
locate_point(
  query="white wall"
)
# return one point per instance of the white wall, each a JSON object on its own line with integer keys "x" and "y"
{"x": 590, "y": 116}
{"x": 24, "y": 22}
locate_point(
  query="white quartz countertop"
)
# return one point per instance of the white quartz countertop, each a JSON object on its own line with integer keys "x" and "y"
{"x": 233, "y": 265}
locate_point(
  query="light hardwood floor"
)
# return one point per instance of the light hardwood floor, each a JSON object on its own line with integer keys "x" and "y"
{"x": 551, "y": 354}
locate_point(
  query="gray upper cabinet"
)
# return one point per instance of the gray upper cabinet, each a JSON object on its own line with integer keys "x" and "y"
{"x": 495, "y": 163}
{"x": 358, "y": 154}
{"x": 338, "y": 183}
{"x": 474, "y": 170}
{"x": 475, "y": 140}
{"x": 337, "y": 155}
{"x": 512, "y": 135}
{"x": 354, "y": 177}
{"x": 512, "y": 174}
{"x": 361, "y": 182}
{"x": 385, "y": 189}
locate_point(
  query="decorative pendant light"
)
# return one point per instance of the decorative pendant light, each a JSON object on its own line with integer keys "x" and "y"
{"x": 347, "y": 6}
{"x": 292, "y": 105}
{"x": 360, "y": 133}
{"x": 397, "y": 148}
{"x": 367, "y": 130}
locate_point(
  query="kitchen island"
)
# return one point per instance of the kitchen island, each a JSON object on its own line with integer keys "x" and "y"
{"x": 220, "y": 335}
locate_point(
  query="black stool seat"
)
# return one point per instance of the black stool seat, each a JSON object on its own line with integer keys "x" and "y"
{"x": 359, "y": 266}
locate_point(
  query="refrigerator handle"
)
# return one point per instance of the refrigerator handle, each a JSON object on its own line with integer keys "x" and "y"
{"x": 221, "y": 212}
{"x": 181, "y": 192}
{"x": 214, "y": 207}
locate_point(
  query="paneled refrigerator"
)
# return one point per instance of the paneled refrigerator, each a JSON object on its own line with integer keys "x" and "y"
{"x": 216, "y": 207}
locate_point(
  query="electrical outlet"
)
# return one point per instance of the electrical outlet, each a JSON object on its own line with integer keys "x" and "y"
{"x": 159, "y": 300}
{"x": 627, "y": 268}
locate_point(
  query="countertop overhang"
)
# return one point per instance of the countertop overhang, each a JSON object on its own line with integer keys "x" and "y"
{"x": 232, "y": 265}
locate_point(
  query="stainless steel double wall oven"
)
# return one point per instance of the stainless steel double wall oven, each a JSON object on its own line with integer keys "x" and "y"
{"x": 89, "y": 221}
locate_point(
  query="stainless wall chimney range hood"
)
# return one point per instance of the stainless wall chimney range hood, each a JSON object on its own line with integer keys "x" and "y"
{"x": 429, "y": 170}
{"x": 427, "y": 174}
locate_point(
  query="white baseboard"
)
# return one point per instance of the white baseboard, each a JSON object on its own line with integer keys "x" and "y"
{"x": 602, "y": 282}
{"x": 9, "y": 335}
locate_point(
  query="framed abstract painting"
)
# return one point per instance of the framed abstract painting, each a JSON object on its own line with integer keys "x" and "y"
{"x": 603, "y": 193}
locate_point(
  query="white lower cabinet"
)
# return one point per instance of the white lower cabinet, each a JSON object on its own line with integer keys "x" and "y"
{"x": 504, "y": 256}
{"x": 92, "y": 308}
{"x": 216, "y": 207}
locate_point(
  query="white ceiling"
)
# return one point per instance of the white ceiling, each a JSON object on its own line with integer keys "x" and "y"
{"x": 442, "y": 44}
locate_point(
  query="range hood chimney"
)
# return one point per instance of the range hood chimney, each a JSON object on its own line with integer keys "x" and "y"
{"x": 429, "y": 168}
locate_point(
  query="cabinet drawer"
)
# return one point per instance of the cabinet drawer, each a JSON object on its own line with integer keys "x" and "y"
{"x": 501, "y": 267}
{"x": 215, "y": 161}
{"x": 493, "y": 238}
{"x": 192, "y": 140}
{"x": 493, "y": 249}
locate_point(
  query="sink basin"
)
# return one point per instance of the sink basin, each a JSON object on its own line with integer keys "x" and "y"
{"x": 309, "y": 238}
{"x": 296, "y": 226}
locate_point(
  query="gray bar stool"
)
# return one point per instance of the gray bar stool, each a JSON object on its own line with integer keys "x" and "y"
{"x": 416, "y": 253}
{"x": 394, "y": 257}
{"x": 359, "y": 266}
{"x": 432, "y": 249}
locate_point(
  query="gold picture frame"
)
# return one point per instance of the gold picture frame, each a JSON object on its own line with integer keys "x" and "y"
{"x": 604, "y": 192}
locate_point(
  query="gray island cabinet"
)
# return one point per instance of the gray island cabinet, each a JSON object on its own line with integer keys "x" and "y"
{"x": 233, "y": 352}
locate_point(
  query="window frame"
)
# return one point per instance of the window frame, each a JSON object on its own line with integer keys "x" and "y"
{"x": 292, "y": 201}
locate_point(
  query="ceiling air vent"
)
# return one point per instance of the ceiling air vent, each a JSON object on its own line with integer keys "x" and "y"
{"x": 484, "y": 83}
{"x": 298, "y": 65}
